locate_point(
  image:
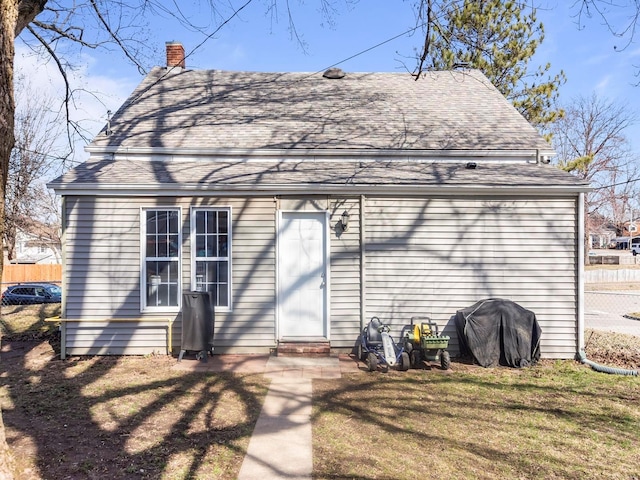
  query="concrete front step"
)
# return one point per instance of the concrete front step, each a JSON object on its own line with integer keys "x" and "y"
{"x": 304, "y": 349}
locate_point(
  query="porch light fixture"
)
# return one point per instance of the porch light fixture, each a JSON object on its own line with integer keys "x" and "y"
{"x": 344, "y": 221}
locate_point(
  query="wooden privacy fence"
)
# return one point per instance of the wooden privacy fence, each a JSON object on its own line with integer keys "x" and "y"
{"x": 31, "y": 273}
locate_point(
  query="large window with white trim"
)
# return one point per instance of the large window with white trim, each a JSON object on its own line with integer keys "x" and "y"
{"x": 211, "y": 253}
{"x": 161, "y": 259}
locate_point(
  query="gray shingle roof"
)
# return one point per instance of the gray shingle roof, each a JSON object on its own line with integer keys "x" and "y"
{"x": 221, "y": 110}
{"x": 346, "y": 176}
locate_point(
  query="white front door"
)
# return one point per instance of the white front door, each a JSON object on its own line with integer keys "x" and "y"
{"x": 302, "y": 275}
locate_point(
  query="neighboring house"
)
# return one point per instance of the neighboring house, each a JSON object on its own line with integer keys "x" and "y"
{"x": 36, "y": 243}
{"x": 602, "y": 232}
{"x": 240, "y": 182}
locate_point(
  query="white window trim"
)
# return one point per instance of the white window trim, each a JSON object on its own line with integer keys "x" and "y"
{"x": 143, "y": 242}
{"x": 192, "y": 232}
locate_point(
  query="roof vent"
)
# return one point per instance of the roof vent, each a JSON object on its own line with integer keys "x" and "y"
{"x": 333, "y": 73}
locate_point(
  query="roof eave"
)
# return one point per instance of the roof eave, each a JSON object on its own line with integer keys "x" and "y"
{"x": 173, "y": 154}
{"x": 315, "y": 189}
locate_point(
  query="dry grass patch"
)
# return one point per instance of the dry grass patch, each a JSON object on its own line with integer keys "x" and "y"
{"x": 117, "y": 417}
{"x": 613, "y": 349}
{"x": 124, "y": 417}
{"x": 27, "y": 322}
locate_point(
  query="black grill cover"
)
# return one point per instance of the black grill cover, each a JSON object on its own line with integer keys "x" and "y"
{"x": 497, "y": 331}
{"x": 198, "y": 320}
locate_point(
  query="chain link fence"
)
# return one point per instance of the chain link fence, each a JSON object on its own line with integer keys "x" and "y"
{"x": 612, "y": 291}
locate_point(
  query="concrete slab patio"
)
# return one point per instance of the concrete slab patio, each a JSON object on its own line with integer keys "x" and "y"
{"x": 273, "y": 366}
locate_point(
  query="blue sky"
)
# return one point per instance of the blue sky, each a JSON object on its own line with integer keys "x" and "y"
{"x": 253, "y": 42}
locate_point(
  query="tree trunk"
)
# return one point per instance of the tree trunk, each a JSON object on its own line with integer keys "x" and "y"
{"x": 14, "y": 16}
{"x": 8, "y": 20}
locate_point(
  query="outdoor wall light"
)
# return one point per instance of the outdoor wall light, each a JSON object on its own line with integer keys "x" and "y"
{"x": 344, "y": 221}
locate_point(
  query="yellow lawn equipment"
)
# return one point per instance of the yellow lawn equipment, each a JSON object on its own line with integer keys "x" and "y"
{"x": 423, "y": 342}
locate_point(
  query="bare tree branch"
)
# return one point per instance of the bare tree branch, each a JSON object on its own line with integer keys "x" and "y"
{"x": 63, "y": 73}
{"x": 116, "y": 38}
{"x": 62, "y": 33}
{"x": 27, "y": 11}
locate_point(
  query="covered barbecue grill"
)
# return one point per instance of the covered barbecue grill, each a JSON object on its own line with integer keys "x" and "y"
{"x": 499, "y": 332}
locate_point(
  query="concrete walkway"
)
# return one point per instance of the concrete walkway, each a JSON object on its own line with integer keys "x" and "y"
{"x": 280, "y": 446}
{"x": 281, "y": 443}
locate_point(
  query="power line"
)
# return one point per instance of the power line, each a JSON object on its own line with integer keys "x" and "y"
{"x": 626, "y": 182}
{"x": 411, "y": 30}
{"x": 207, "y": 38}
{"x": 362, "y": 52}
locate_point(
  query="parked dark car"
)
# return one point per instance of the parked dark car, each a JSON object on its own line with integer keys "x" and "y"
{"x": 31, "y": 293}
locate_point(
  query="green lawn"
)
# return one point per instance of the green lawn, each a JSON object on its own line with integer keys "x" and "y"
{"x": 557, "y": 420}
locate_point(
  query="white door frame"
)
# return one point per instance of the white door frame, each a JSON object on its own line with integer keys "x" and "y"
{"x": 325, "y": 215}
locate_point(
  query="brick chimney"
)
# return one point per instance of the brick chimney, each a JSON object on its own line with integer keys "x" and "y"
{"x": 175, "y": 55}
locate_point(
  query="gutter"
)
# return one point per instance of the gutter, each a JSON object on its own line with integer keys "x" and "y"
{"x": 309, "y": 154}
{"x": 217, "y": 189}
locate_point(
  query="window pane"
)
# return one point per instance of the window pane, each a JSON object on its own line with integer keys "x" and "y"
{"x": 211, "y": 246}
{"x": 212, "y": 272}
{"x": 223, "y": 269}
{"x": 172, "y": 272}
{"x": 162, "y": 222}
{"x": 152, "y": 226}
{"x": 211, "y": 222}
{"x": 162, "y": 297}
{"x": 163, "y": 246}
{"x": 223, "y": 220}
{"x": 162, "y": 283}
{"x": 200, "y": 221}
{"x": 151, "y": 246}
{"x": 222, "y": 297}
{"x": 200, "y": 248}
{"x": 174, "y": 242}
{"x": 174, "y": 222}
{"x": 222, "y": 246}
{"x": 212, "y": 277}
{"x": 173, "y": 294}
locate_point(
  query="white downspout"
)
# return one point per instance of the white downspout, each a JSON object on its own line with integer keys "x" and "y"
{"x": 580, "y": 259}
{"x": 363, "y": 277}
{"x": 64, "y": 285}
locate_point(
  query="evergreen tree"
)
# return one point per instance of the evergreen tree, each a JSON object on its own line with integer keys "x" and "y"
{"x": 499, "y": 38}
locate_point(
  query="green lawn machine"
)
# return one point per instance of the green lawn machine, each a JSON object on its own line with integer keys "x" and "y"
{"x": 423, "y": 341}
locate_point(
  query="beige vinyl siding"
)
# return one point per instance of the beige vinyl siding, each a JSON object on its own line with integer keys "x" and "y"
{"x": 116, "y": 338}
{"x": 102, "y": 275}
{"x": 345, "y": 274}
{"x": 424, "y": 257}
{"x": 432, "y": 257}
